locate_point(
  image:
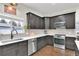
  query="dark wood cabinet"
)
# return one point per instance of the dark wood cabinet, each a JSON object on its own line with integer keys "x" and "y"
{"x": 1, "y": 51}
{"x": 57, "y": 19}
{"x": 60, "y": 22}
{"x": 22, "y": 48}
{"x": 9, "y": 50}
{"x": 50, "y": 40}
{"x": 70, "y": 20}
{"x": 43, "y": 41}
{"x": 35, "y": 22}
{"x": 70, "y": 43}
{"x": 15, "y": 49}
{"x": 51, "y": 23}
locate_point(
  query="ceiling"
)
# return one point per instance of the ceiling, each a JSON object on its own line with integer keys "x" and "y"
{"x": 50, "y": 8}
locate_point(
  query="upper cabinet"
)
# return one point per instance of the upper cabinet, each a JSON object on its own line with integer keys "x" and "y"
{"x": 51, "y": 22}
{"x": 57, "y": 22}
{"x": 66, "y": 21}
{"x": 35, "y": 22}
{"x": 70, "y": 20}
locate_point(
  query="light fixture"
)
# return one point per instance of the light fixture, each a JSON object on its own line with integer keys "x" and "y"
{"x": 13, "y": 4}
{"x": 9, "y": 8}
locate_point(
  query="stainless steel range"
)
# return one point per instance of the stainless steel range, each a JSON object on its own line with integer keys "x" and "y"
{"x": 59, "y": 41}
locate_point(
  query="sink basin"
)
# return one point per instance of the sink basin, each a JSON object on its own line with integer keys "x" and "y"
{"x": 5, "y": 41}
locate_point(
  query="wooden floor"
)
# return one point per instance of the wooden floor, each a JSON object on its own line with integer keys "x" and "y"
{"x": 51, "y": 51}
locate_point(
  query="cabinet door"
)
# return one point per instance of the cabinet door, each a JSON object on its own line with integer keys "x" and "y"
{"x": 42, "y": 23}
{"x": 1, "y": 51}
{"x": 41, "y": 42}
{"x": 51, "y": 22}
{"x": 70, "y": 43}
{"x": 39, "y": 23}
{"x": 22, "y": 49}
{"x": 70, "y": 20}
{"x": 9, "y": 50}
{"x": 50, "y": 40}
{"x": 34, "y": 21}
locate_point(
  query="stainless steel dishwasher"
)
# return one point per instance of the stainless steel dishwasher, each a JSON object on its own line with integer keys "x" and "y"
{"x": 32, "y": 46}
{"x": 59, "y": 41}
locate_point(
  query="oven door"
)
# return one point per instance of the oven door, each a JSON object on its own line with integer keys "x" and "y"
{"x": 59, "y": 41}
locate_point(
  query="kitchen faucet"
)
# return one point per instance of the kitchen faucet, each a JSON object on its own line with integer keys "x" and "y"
{"x": 13, "y": 29}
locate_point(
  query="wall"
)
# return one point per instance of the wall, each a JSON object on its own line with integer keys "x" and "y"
{"x": 20, "y": 15}
{"x": 21, "y": 12}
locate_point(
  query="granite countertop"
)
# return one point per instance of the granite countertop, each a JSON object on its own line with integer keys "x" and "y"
{"x": 15, "y": 40}
{"x": 27, "y": 37}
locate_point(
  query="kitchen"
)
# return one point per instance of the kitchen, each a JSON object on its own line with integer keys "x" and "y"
{"x": 29, "y": 29}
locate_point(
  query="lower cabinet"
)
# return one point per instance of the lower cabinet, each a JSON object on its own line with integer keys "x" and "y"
{"x": 0, "y": 51}
{"x": 9, "y": 50}
{"x": 22, "y": 48}
{"x": 50, "y": 40}
{"x": 70, "y": 43}
{"x": 43, "y": 41}
{"x": 15, "y": 49}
